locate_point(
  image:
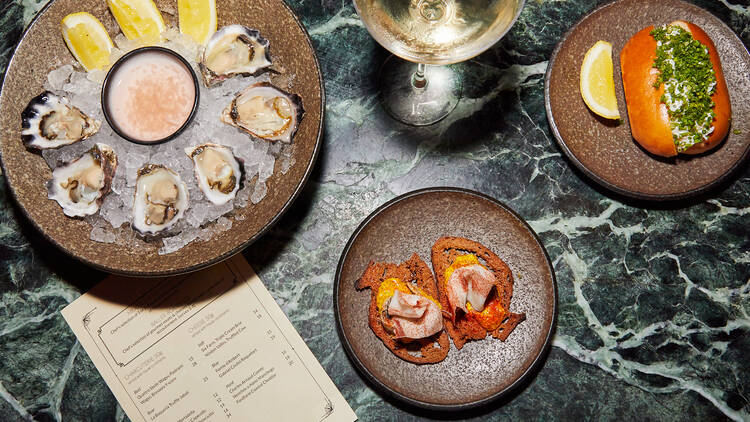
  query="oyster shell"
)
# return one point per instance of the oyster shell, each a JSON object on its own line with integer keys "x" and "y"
{"x": 49, "y": 121}
{"x": 161, "y": 199}
{"x": 233, "y": 50}
{"x": 218, "y": 171}
{"x": 266, "y": 112}
{"x": 80, "y": 185}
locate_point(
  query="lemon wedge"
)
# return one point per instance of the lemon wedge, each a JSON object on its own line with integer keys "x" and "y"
{"x": 87, "y": 39}
{"x": 138, "y": 18}
{"x": 197, "y": 18}
{"x": 598, "y": 82}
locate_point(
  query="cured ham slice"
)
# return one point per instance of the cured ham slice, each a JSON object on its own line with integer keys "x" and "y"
{"x": 472, "y": 283}
{"x": 406, "y": 305}
{"x": 414, "y": 316}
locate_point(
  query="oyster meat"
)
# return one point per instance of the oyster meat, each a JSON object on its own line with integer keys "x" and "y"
{"x": 161, "y": 199}
{"x": 233, "y": 50}
{"x": 80, "y": 185}
{"x": 218, "y": 171}
{"x": 266, "y": 112}
{"x": 49, "y": 121}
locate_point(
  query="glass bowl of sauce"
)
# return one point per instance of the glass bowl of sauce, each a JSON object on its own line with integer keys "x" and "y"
{"x": 150, "y": 95}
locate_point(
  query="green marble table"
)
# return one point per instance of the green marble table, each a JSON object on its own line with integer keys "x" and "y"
{"x": 654, "y": 301}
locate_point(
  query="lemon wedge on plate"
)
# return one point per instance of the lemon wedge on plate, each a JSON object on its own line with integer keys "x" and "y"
{"x": 197, "y": 18}
{"x": 87, "y": 39}
{"x": 598, "y": 82}
{"x": 138, "y": 18}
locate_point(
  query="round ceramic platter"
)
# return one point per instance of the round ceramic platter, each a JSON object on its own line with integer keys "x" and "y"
{"x": 482, "y": 370}
{"x": 26, "y": 172}
{"x": 606, "y": 152}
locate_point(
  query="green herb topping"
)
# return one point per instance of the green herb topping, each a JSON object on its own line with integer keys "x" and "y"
{"x": 689, "y": 80}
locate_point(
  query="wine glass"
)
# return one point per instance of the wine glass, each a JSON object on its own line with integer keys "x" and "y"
{"x": 431, "y": 32}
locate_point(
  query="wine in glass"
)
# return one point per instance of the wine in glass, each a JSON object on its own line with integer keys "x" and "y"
{"x": 431, "y": 32}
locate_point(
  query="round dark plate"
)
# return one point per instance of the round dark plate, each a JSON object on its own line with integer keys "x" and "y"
{"x": 608, "y": 153}
{"x": 26, "y": 172}
{"x": 482, "y": 370}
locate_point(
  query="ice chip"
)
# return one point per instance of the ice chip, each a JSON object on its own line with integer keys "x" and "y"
{"x": 265, "y": 170}
{"x": 60, "y": 76}
{"x": 119, "y": 184}
{"x": 101, "y": 235}
{"x": 259, "y": 192}
{"x": 206, "y": 234}
{"x": 216, "y": 211}
{"x": 223, "y": 224}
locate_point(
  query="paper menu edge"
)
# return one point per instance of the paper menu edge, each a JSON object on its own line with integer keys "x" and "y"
{"x": 75, "y": 313}
{"x": 321, "y": 375}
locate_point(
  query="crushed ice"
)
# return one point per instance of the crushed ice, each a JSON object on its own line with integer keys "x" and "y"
{"x": 203, "y": 219}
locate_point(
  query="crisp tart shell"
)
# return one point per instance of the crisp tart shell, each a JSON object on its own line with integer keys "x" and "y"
{"x": 432, "y": 349}
{"x": 464, "y": 329}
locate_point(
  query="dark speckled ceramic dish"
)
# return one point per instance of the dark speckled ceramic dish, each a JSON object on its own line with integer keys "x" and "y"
{"x": 26, "y": 172}
{"x": 482, "y": 370}
{"x": 607, "y": 153}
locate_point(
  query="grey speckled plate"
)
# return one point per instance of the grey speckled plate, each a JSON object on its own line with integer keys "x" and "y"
{"x": 607, "y": 153}
{"x": 26, "y": 172}
{"x": 482, "y": 370}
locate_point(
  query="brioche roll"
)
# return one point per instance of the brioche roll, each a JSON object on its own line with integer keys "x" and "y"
{"x": 648, "y": 114}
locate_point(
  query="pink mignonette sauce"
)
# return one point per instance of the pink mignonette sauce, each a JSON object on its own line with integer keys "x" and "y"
{"x": 150, "y": 96}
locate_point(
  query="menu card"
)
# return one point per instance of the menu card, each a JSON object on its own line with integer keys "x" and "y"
{"x": 207, "y": 346}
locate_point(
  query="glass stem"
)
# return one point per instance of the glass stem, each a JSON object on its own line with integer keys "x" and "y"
{"x": 418, "y": 79}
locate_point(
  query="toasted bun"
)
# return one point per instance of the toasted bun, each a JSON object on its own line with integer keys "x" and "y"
{"x": 444, "y": 252}
{"x": 649, "y": 120}
{"x": 413, "y": 270}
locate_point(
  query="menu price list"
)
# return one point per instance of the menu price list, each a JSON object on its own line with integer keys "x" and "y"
{"x": 210, "y": 346}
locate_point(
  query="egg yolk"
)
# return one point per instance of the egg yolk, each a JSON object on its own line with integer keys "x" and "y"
{"x": 389, "y": 286}
{"x": 460, "y": 261}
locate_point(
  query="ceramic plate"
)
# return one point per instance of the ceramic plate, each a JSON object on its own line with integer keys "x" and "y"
{"x": 412, "y": 223}
{"x": 26, "y": 172}
{"x": 608, "y": 153}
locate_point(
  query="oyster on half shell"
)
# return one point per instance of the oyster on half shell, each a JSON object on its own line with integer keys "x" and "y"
{"x": 49, "y": 121}
{"x": 161, "y": 198}
{"x": 218, "y": 171}
{"x": 265, "y": 112}
{"x": 233, "y": 50}
{"x": 80, "y": 185}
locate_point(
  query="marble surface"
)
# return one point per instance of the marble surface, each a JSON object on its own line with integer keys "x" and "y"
{"x": 654, "y": 300}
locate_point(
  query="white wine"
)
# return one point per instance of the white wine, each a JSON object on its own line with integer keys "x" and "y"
{"x": 434, "y": 32}
{"x": 438, "y": 31}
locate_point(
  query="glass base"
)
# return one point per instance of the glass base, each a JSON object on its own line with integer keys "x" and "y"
{"x": 407, "y": 101}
